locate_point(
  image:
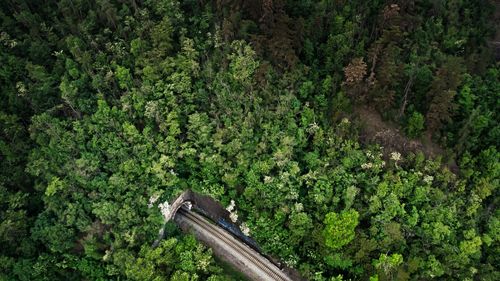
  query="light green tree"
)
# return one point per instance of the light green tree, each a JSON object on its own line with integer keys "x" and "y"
{"x": 339, "y": 228}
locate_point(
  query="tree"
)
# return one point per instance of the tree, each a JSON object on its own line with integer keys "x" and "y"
{"x": 415, "y": 125}
{"x": 442, "y": 92}
{"x": 388, "y": 264}
{"x": 339, "y": 228}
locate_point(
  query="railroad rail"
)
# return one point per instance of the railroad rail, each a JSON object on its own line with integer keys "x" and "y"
{"x": 227, "y": 247}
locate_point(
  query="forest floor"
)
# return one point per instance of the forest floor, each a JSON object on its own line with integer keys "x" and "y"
{"x": 387, "y": 134}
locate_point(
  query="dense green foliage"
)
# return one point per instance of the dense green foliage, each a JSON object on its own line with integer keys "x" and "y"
{"x": 107, "y": 104}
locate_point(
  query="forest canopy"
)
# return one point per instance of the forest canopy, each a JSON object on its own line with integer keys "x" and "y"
{"x": 358, "y": 139}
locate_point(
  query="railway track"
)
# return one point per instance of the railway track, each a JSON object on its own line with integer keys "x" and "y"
{"x": 260, "y": 268}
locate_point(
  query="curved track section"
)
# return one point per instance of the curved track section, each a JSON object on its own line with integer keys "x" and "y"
{"x": 224, "y": 245}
